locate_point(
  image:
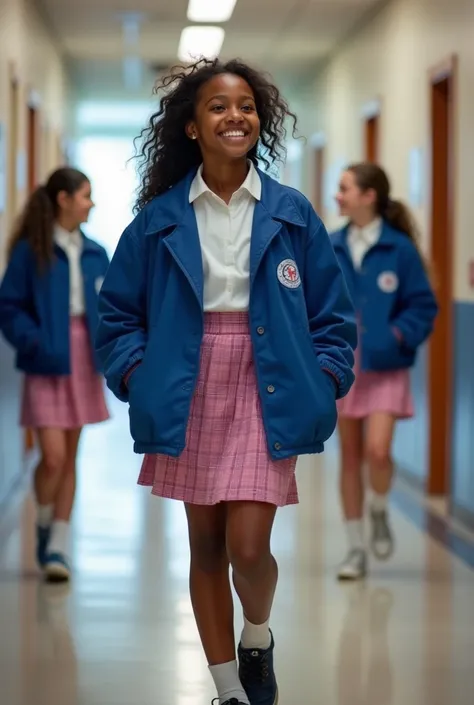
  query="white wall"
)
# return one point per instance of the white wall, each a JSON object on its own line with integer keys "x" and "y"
{"x": 29, "y": 52}
{"x": 389, "y": 60}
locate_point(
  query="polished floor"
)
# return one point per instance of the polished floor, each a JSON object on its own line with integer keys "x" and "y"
{"x": 123, "y": 633}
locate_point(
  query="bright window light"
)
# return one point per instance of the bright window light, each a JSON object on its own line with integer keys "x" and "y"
{"x": 210, "y": 10}
{"x": 200, "y": 42}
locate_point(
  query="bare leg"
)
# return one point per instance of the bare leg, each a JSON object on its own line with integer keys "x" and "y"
{"x": 255, "y": 572}
{"x": 211, "y": 594}
{"x": 64, "y": 500}
{"x": 380, "y": 428}
{"x": 48, "y": 474}
{"x": 351, "y": 434}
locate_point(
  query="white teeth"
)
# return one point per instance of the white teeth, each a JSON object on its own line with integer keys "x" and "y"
{"x": 235, "y": 133}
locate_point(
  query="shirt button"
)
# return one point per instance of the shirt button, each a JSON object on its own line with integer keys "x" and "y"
{"x": 277, "y": 446}
{"x": 270, "y": 389}
{"x": 260, "y": 330}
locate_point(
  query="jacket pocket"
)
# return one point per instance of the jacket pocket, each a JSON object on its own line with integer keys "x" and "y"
{"x": 141, "y": 420}
{"x": 322, "y": 393}
{"x": 386, "y": 352}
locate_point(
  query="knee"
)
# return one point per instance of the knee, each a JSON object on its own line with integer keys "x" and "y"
{"x": 53, "y": 463}
{"x": 208, "y": 552}
{"x": 247, "y": 558}
{"x": 378, "y": 455}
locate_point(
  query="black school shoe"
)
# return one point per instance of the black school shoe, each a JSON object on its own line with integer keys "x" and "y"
{"x": 257, "y": 674}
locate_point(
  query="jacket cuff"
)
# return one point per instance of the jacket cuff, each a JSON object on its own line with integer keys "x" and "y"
{"x": 134, "y": 361}
{"x": 128, "y": 374}
{"x": 333, "y": 370}
{"x": 333, "y": 379}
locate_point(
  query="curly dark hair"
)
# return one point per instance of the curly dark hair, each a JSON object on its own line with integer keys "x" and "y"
{"x": 167, "y": 154}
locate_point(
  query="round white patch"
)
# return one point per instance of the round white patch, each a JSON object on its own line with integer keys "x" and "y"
{"x": 288, "y": 274}
{"x": 98, "y": 284}
{"x": 387, "y": 282}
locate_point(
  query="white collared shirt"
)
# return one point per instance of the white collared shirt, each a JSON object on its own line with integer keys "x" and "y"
{"x": 71, "y": 244}
{"x": 225, "y": 233}
{"x": 360, "y": 240}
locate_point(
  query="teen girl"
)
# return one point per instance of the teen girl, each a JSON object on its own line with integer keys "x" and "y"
{"x": 396, "y": 309}
{"x": 48, "y": 312}
{"x": 226, "y": 324}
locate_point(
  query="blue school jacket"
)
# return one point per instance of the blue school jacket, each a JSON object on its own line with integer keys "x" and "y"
{"x": 302, "y": 322}
{"x": 34, "y": 306}
{"x": 393, "y": 299}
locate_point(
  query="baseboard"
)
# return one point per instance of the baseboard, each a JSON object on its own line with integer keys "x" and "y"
{"x": 411, "y": 479}
{"x": 462, "y": 515}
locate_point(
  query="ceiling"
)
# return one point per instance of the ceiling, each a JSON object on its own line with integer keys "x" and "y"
{"x": 283, "y": 36}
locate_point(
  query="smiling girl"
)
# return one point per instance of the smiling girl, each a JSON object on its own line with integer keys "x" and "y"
{"x": 396, "y": 309}
{"x": 226, "y": 325}
{"x": 48, "y": 313}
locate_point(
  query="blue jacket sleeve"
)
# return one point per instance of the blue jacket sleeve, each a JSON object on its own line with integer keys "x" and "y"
{"x": 418, "y": 306}
{"x": 121, "y": 335}
{"x": 330, "y": 311}
{"x": 17, "y": 321}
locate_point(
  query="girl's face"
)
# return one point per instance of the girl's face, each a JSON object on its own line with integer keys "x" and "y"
{"x": 74, "y": 209}
{"x": 226, "y": 123}
{"x": 352, "y": 200}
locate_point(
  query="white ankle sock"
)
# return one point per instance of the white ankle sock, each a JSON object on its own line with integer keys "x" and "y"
{"x": 379, "y": 502}
{"x": 44, "y": 515}
{"x": 256, "y": 636}
{"x": 227, "y": 682}
{"x": 59, "y": 537}
{"x": 355, "y": 534}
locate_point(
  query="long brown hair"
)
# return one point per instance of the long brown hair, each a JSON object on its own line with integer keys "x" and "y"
{"x": 395, "y": 213}
{"x": 36, "y": 222}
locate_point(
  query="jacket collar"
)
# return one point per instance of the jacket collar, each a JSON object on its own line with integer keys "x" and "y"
{"x": 389, "y": 237}
{"x": 169, "y": 209}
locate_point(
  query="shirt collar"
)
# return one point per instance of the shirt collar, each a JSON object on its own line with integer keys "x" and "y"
{"x": 64, "y": 238}
{"x": 252, "y": 185}
{"x": 369, "y": 234}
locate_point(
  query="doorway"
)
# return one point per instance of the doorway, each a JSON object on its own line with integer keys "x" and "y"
{"x": 442, "y": 99}
{"x": 372, "y": 138}
{"x": 318, "y": 180}
{"x": 32, "y": 148}
{"x": 13, "y": 146}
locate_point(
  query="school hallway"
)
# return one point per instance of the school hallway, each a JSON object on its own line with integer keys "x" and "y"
{"x": 123, "y": 632}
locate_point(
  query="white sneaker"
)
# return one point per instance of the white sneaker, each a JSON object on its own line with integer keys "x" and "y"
{"x": 354, "y": 567}
{"x": 382, "y": 542}
{"x": 57, "y": 568}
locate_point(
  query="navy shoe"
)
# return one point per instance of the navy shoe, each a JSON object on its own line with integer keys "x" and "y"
{"x": 56, "y": 568}
{"x": 42, "y": 539}
{"x": 257, "y": 675}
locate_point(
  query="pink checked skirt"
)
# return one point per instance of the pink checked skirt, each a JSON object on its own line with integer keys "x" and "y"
{"x": 374, "y": 392}
{"x": 226, "y": 457}
{"x": 67, "y": 401}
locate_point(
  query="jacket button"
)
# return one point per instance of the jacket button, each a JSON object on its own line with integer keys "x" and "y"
{"x": 260, "y": 330}
{"x": 270, "y": 389}
{"x": 277, "y": 446}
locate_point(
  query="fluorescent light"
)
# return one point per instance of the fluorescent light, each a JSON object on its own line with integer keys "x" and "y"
{"x": 210, "y": 10}
{"x": 200, "y": 42}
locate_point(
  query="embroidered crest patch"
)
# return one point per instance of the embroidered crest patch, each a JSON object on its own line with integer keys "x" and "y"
{"x": 387, "y": 282}
{"x": 288, "y": 274}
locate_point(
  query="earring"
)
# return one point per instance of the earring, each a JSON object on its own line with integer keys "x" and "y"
{"x": 193, "y": 136}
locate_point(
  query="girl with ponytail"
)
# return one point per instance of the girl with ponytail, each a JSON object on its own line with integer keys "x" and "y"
{"x": 387, "y": 279}
{"x": 48, "y": 313}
